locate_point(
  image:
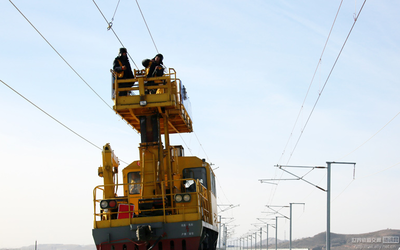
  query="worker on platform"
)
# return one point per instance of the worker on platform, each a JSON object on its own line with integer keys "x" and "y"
{"x": 123, "y": 70}
{"x": 154, "y": 68}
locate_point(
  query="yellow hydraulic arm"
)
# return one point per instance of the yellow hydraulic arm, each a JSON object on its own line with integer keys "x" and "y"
{"x": 108, "y": 170}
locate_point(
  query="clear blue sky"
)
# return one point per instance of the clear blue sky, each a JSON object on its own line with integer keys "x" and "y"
{"x": 247, "y": 66}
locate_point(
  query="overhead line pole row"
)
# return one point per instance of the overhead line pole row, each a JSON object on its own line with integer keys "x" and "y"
{"x": 328, "y": 198}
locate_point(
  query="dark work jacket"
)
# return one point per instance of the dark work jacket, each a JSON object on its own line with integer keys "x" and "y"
{"x": 153, "y": 69}
{"x": 125, "y": 62}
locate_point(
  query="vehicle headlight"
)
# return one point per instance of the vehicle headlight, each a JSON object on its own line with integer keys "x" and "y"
{"x": 108, "y": 204}
{"x": 187, "y": 197}
{"x": 178, "y": 198}
{"x": 183, "y": 197}
{"x": 104, "y": 204}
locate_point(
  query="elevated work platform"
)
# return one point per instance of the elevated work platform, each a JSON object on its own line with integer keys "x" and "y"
{"x": 150, "y": 96}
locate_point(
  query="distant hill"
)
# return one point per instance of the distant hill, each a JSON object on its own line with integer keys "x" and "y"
{"x": 384, "y": 239}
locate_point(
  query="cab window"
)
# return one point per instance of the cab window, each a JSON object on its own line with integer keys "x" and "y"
{"x": 197, "y": 174}
{"x": 213, "y": 187}
{"x": 133, "y": 178}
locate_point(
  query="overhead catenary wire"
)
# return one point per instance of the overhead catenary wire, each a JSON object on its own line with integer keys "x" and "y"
{"x": 326, "y": 81}
{"x": 319, "y": 94}
{"x": 362, "y": 177}
{"x": 348, "y": 185}
{"x": 87, "y": 84}
{"x": 222, "y": 190}
{"x": 133, "y": 60}
{"x": 373, "y": 174}
{"x": 185, "y": 143}
{"x": 115, "y": 10}
{"x": 52, "y": 117}
{"x": 305, "y": 98}
{"x": 62, "y": 124}
{"x": 110, "y": 28}
{"x": 67, "y": 61}
{"x": 312, "y": 80}
{"x": 77, "y": 72}
{"x": 146, "y": 25}
{"x": 371, "y": 136}
{"x": 380, "y": 171}
{"x": 69, "y": 67}
{"x": 208, "y": 159}
{"x": 112, "y": 19}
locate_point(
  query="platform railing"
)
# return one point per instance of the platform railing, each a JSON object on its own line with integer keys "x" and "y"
{"x": 201, "y": 194}
{"x": 160, "y": 82}
{"x": 154, "y": 92}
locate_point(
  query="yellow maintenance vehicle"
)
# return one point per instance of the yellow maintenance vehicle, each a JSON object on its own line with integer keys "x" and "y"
{"x": 169, "y": 199}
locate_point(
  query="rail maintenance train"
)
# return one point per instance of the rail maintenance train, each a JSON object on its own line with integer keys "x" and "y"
{"x": 169, "y": 199}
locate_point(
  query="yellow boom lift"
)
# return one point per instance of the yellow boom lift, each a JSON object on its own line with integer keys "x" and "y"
{"x": 169, "y": 199}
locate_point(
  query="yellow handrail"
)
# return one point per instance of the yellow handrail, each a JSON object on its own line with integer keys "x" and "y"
{"x": 167, "y": 78}
{"x": 203, "y": 205}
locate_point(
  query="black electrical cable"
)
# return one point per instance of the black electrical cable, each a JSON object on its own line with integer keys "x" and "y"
{"x": 146, "y": 25}
{"x": 62, "y": 124}
{"x": 312, "y": 80}
{"x": 114, "y": 32}
{"x": 327, "y": 79}
{"x": 60, "y": 55}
